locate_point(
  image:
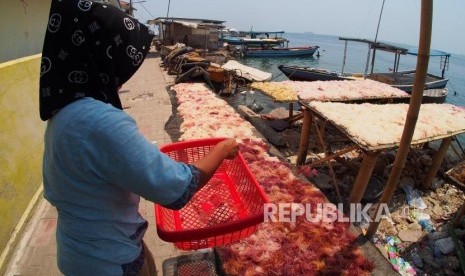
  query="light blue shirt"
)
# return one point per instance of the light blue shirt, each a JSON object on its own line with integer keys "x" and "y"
{"x": 96, "y": 164}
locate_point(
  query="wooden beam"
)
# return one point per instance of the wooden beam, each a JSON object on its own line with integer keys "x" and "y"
{"x": 363, "y": 177}
{"x": 332, "y": 156}
{"x": 439, "y": 157}
{"x": 304, "y": 136}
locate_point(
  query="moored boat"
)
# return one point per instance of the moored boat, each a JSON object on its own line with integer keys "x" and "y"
{"x": 438, "y": 95}
{"x": 280, "y": 52}
{"x": 300, "y": 73}
{"x": 404, "y": 80}
{"x": 255, "y": 39}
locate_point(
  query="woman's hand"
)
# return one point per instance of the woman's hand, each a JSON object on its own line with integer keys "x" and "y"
{"x": 229, "y": 147}
{"x": 226, "y": 149}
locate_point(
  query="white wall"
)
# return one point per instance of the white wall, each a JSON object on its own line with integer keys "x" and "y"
{"x": 23, "y": 24}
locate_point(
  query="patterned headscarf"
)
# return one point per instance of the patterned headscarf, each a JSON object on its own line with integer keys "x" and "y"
{"x": 90, "y": 49}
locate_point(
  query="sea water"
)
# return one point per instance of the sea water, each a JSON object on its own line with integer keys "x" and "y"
{"x": 331, "y": 54}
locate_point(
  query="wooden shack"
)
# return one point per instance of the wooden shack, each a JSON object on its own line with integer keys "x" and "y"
{"x": 196, "y": 33}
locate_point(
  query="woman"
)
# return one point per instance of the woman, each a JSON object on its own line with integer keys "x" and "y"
{"x": 96, "y": 163}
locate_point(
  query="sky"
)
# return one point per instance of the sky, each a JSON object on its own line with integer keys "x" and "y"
{"x": 400, "y": 22}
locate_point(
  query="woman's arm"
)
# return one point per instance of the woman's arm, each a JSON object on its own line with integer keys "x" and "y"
{"x": 226, "y": 149}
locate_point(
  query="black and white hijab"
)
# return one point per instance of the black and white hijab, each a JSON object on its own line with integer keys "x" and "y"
{"x": 90, "y": 49}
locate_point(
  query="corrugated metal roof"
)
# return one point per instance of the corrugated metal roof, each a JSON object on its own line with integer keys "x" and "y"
{"x": 189, "y": 20}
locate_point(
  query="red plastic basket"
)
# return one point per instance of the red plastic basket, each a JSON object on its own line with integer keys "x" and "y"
{"x": 227, "y": 209}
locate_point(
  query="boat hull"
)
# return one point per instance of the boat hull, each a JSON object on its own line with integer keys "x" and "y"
{"x": 435, "y": 95}
{"x": 309, "y": 74}
{"x": 404, "y": 80}
{"x": 280, "y": 52}
{"x": 435, "y": 91}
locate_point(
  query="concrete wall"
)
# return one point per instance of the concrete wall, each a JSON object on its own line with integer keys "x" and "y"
{"x": 21, "y": 141}
{"x": 23, "y": 24}
{"x": 21, "y": 131}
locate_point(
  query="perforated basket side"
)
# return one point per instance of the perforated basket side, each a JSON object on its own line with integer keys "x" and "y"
{"x": 239, "y": 195}
{"x": 198, "y": 263}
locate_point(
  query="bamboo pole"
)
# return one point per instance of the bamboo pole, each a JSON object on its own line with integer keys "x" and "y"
{"x": 304, "y": 136}
{"x": 426, "y": 22}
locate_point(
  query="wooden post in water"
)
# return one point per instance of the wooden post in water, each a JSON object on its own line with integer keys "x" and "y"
{"x": 426, "y": 22}
{"x": 344, "y": 59}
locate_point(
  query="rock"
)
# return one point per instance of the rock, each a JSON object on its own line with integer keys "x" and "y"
{"x": 381, "y": 163}
{"x": 437, "y": 183}
{"x": 446, "y": 245}
{"x": 452, "y": 262}
{"x": 409, "y": 235}
{"x": 426, "y": 160}
{"x": 397, "y": 218}
{"x": 432, "y": 200}
{"x": 449, "y": 272}
{"x": 323, "y": 181}
{"x": 391, "y": 155}
{"x": 414, "y": 226}
{"x": 406, "y": 180}
{"x": 387, "y": 171}
{"x": 459, "y": 232}
{"x": 342, "y": 170}
{"x": 433, "y": 236}
{"x": 416, "y": 259}
{"x": 427, "y": 255}
{"x": 387, "y": 228}
{"x": 437, "y": 209}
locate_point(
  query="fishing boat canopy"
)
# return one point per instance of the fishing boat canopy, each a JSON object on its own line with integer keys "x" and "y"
{"x": 432, "y": 53}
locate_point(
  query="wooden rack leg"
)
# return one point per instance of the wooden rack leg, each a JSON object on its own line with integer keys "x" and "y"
{"x": 304, "y": 136}
{"x": 291, "y": 110}
{"x": 320, "y": 133}
{"x": 363, "y": 177}
{"x": 437, "y": 162}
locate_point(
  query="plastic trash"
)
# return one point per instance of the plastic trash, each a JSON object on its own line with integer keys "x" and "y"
{"x": 413, "y": 198}
{"x": 427, "y": 225}
{"x": 418, "y": 215}
{"x": 398, "y": 263}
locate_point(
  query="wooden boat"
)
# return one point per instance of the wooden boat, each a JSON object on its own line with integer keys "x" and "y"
{"x": 280, "y": 52}
{"x": 255, "y": 39}
{"x": 300, "y": 73}
{"x": 435, "y": 95}
{"x": 404, "y": 80}
{"x": 252, "y": 42}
